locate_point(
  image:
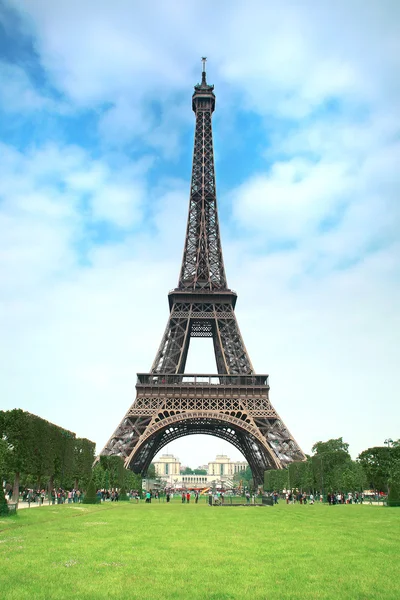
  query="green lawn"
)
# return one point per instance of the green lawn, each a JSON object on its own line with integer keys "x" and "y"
{"x": 195, "y": 551}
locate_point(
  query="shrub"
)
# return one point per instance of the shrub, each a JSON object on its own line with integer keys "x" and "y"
{"x": 394, "y": 495}
{"x": 4, "y": 511}
{"x": 122, "y": 494}
{"x": 91, "y": 496}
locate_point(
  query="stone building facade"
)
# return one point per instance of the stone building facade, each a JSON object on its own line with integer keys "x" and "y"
{"x": 220, "y": 473}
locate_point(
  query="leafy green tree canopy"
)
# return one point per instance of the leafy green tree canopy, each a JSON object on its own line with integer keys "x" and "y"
{"x": 333, "y": 445}
{"x": 376, "y": 464}
{"x": 394, "y": 495}
{"x": 245, "y": 475}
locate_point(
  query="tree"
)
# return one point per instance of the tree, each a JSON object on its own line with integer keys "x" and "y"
{"x": 67, "y": 449}
{"x": 301, "y": 476}
{"x": 328, "y": 468}
{"x": 244, "y": 475}
{"x": 90, "y": 496}
{"x": 106, "y": 479}
{"x": 98, "y": 476}
{"x": 42, "y": 449}
{"x": 187, "y": 471}
{"x": 110, "y": 471}
{"x": 351, "y": 477}
{"x": 133, "y": 481}
{"x": 199, "y": 471}
{"x": 394, "y": 465}
{"x": 329, "y": 461}
{"x": 376, "y": 464}
{"x": 4, "y": 456}
{"x": 114, "y": 466}
{"x": 32, "y": 450}
{"x": 276, "y": 480}
{"x": 4, "y": 510}
{"x": 18, "y": 435}
{"x": 123, "y": 495}
{"x": 394, "y": 495}
{"x": 83, "y": 460}
{"x": 333, "y": 445}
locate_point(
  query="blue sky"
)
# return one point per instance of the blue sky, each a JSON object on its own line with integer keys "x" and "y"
{"x": 96, "y": 134}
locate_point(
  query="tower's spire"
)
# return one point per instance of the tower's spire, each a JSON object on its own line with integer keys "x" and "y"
{"x": 203, "y": 75}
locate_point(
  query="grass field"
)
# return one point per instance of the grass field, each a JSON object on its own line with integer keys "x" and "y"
{"x": 194, "y": 551}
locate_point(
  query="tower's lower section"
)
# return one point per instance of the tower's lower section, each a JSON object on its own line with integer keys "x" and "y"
{"x": 235, "y": 408}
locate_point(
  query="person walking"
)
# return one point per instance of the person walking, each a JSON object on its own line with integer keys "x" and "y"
{"x": 196, "y": 497}
{"x": 183, "y": 497}
{"x": 188, "y": 497}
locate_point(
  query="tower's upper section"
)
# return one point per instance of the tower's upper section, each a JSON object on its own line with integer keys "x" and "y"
{"x": 202, "y": 264}
{"x": 203, "y": 97}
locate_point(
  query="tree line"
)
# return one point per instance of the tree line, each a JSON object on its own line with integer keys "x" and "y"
{"x": 331, "y": 468}
{"x": 34, "y": 452}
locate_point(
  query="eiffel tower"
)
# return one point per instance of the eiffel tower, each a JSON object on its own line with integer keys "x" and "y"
{"x": 234, "y": 403}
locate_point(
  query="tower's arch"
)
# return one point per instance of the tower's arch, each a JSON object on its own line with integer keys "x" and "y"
{"x": 236, "y": 429}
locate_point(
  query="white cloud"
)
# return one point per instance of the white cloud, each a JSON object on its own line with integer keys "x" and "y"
{"x": 118, "y": 200}
{"x": 322, "y": 318}
{"x": 119, "y": 204}
{"x": 18, "y": 94}
{"x": 291, "y": 200}
{"x": 284, "y": 59}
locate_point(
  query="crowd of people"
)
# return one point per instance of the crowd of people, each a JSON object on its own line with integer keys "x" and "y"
{"x": 351, "y": 498}
{"x": 39, "y": 495}
{"x": 57, "y": 496}
{"x": 111, "y": 495}
{"x": 216, "y": 497}
{"x": 169, "y": 494}
{"x": 291, "y": 497}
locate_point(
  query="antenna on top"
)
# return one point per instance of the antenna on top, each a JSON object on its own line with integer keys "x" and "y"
{"x": 203, "y": 75}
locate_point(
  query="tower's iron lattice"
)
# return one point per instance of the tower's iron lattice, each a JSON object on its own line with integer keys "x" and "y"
{"x": 233, "y": 405}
